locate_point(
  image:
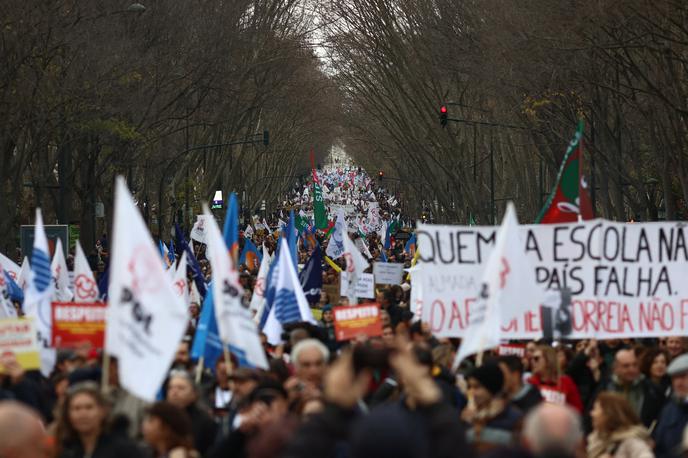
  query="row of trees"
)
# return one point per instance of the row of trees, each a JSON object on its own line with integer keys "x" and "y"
{"x": 90, "y": 90}
{"x": 519, "y": 75}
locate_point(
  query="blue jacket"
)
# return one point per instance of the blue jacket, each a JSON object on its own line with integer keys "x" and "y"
{"x": 669, "y": 431}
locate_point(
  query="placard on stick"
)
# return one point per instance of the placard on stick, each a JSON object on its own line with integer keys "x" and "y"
{"x": 77, "y": 323}
{"x": 18, "y": 336}
{"x": 350, "y": 322}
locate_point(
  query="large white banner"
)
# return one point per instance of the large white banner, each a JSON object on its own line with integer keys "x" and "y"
{"x": 626, "y": 280}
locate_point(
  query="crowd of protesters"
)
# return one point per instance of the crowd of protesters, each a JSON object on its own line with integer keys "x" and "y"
{"x": 388, "y": 396}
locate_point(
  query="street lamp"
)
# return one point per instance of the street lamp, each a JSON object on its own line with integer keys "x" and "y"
{"x": 136, "y": 8}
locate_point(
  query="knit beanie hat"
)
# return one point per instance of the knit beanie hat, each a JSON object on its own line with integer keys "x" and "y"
{"x": 490, "y": 376}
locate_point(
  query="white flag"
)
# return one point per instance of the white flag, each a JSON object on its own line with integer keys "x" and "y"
{"x": 24, "y": 274}
{"x": 508, "y": 289}
{"x": 355, "y": 265}
{"x": 290, "y": 304}
{"x": 39, "y": 291}
{"x": 258, "y": 298}
{"x": 248, "y": 232}
{"x": 146, "y": 319}
{"x": 335, "y": 247}
{"x": 85, "y": 286}
{"x": 60, "y": 275}
{"x": 10, "y": 266}
{"x": 234, "y": 321}
{"x": 181, "y": 281}
{"x": 198, "y": 231}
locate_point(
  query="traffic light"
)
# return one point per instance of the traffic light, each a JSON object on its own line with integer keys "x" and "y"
{"x": 380, "y": 175}
{"x": 266, "y": 138}
{"x": 443, "y": 115}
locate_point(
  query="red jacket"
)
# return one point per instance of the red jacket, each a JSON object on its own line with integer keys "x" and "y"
{"x": 563, "y": 392}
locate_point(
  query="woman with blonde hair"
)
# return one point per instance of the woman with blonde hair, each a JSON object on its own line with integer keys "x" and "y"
{"x": 617, "y": 430}
{"x": 554, "y": 386}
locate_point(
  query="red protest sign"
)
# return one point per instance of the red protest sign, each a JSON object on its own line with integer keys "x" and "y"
{"x": 512, "y": 349}
{"x": 75, "y": 324}
{"x": 350, "y": 322}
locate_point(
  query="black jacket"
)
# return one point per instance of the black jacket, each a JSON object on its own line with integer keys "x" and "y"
{"x": 527, "y": 398}
{"x": 389, "y": 430}
{"x": 204, "y": 429}
{"x": 109, "y": 446}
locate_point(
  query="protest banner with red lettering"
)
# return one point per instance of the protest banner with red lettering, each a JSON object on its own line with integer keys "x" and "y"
{"x": 18, "y": 336}
{"x": 350, "y": 322}
{"x": 76, "y": 324}
{"x": 626, "y": 280}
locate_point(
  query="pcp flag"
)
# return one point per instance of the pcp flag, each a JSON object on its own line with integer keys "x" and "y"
{"x": 85, "y": 286}
{"x": 311, "y": 276}
{"x": 355, "y": 265}
{"x": 258, "y": 298}
{"x": 180, "y": 281}
{"x": 234, "y": 321}
{"x": 335, "y": 247}
{"x": 58, "y": 269}
{"x": 289, "y": 304}
{"x": 39, "y": 291}
{"x": 24, "y": 274}
{"x": 146, "y": 319}
{"x": 507, "y": 289}
{"x": 198, "y": 231}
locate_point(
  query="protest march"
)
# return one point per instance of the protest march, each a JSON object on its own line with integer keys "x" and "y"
{"x": 338, "y": 326}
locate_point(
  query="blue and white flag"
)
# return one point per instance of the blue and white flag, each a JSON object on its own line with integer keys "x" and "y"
{"x": 60, "y": 275}
{"x": 39, "y": 292}
{"x": 234, "y": 321}
{"x": 311, "y": 277}
{"x": 289, "y": 304}
{"x": 335, "y": 247}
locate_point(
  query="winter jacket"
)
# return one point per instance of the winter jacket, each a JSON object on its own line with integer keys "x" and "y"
{"x": 584, "y": 379}
{"x": 562, "y": 392}
{"x": 643, "y": 396}
{"x": 389, "y": 430}
{"x": 495, "y": 429}
{"x": 204, "y": 429}
{"x": 527, "y": 398}
{"x": 669, "y": 430}
{"x": 108, "y": 446}
{"x": 632, "y": 442}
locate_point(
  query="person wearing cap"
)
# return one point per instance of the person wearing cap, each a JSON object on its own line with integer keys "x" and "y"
{"x": 493, "y": 422}
{"x": 243, "y": 381}
{"x": 673, "y": 420}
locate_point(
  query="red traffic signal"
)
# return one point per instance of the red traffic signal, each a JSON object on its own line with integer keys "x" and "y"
{"x": 380, "y": 174}
{"x": 443, "y": 115}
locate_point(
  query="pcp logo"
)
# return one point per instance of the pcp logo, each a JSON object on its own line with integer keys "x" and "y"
{"x": 85, "y": 288}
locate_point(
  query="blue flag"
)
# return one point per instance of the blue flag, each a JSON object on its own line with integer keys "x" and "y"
{"x": 291, "y": 239}
{"x": 104, "y": 284}
{"x": 171, "y": 253}
{"x": 383, "y": 256}
{"x": 207, "y": 341}
{"x": 270, "y": 287}
{"x": 250, "y": 256}
{"x": 230, "y": 231}
{"x": 410, "y": 247}
{"x": 311, "y": 277}
{"x": 13, "y": 289}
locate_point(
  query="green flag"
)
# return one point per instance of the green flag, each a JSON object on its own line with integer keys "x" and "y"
{"x": 319, "y": 212}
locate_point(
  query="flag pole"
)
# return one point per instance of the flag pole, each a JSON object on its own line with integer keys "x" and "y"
{"x": 228, "y": 360}
{"x": 199, "y": 369}
{"x": 105, "y": 374}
